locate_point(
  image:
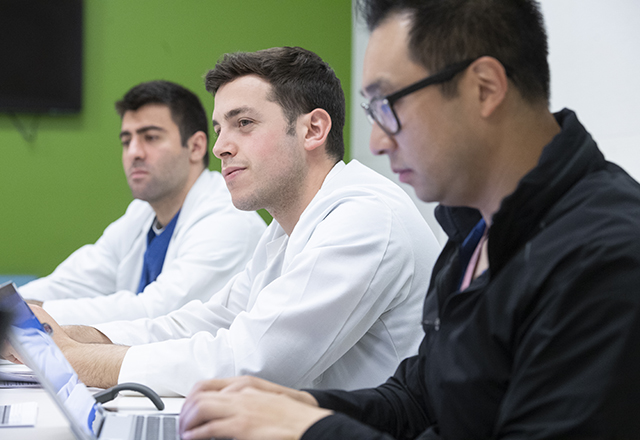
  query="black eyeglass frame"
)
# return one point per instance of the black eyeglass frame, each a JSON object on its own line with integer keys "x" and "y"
{"x": 442, "y": 76}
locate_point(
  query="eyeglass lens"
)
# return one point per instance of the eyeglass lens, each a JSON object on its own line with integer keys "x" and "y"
{"x": 383, "y": 114}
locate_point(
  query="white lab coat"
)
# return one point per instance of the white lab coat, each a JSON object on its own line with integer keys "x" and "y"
{"x": 336, "y": 304}
{"x": 212, "y": 241}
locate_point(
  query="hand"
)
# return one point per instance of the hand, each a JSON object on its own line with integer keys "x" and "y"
{"x": 86, "y": 334}
{"x": 240, "y": 383}
{"x": 9, "y": 353}
{"x": 98, "y": 365}
{"x": 246, "y": 414}
{"x": 60, "y": 337}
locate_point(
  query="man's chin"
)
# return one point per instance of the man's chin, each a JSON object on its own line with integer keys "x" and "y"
{"x": 140, "y": 195}
{"x": 246, "y": 204}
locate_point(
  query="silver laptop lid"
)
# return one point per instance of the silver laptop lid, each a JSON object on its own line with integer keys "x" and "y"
{"x": 38, "y": 351}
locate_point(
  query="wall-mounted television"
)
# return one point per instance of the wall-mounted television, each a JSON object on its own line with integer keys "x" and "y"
{"x": 41, "y": 56}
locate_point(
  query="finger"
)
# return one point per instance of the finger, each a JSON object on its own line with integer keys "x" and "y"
{"x": 6, "y": 350}
{"x": 201, "y": 431}
{"x": 209, "y": 385}
{"x": 270, "y": 387}
{"x": 189, "y": 410}
{"x": 196, "y": 420}
{"x": 14, "y": 359}
{"x": 242, "y": 382}
{"x": 220, "y": 429}
{"x": 201, "y": 408}
{"x": 11, "y": 357}
{"x": 10, "y": 354}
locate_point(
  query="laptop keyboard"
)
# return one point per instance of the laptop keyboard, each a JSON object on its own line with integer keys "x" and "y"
{"x": 157, "y": 428}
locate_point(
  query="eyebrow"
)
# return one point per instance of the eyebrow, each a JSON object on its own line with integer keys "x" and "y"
{"x": 376, "y": 88}
{"x": 232, "y": 113}
{"x": 141, "y": 130}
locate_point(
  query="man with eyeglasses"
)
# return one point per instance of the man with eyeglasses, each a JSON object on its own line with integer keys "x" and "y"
{"x": 532, "y": 318}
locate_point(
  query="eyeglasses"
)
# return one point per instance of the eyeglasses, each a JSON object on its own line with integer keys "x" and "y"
{"x": 380, "y": 110}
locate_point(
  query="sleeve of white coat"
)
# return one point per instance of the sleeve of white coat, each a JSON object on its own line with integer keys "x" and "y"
{"x": 211, "y": 251}
{"x": 190, "y": 319}
{"x": 354, "y": 267}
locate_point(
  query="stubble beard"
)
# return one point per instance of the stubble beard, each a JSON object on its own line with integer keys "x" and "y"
{"x": 279, "y": 192}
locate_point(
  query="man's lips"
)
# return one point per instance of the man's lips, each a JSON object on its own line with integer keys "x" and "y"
{"x": 137, "y": 172}
{"x": 229, "y": 172}
{"x": 403, "y": 174}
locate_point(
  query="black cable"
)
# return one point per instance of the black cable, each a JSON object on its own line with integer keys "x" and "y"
{"x": 111, "y": 393}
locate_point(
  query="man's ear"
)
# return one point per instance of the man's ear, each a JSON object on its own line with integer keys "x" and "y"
{"x": 491, "y": 83}
{"x": 197, "y": 145}
{"x": 318, "y": 124}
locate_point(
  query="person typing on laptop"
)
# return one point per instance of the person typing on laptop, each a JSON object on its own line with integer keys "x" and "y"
{"x": 180, "y": 239}
{"x": 536, "y": 337}
{"x": 332, "y": 295}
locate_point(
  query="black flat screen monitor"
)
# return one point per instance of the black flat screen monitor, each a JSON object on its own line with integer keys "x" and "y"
{"x": 40, "y": 56}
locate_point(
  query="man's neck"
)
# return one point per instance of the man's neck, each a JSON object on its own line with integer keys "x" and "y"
{"x": 169, "y": 206}
{"x": 288, "y": 216}
{"x": 522, "y": 145}
{"x": 165, "y": 211}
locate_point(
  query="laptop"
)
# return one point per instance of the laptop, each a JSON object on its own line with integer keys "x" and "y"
{"x": 87, "y": 418}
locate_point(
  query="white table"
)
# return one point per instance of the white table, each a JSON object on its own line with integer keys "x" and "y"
{"x": 52, "y": 425}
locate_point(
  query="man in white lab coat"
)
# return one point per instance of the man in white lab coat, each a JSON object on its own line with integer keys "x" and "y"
{"x": 332, "y": 296}
{"x": 180, "y": 239}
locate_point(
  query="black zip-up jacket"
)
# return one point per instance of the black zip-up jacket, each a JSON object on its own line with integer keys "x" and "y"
{"x": 546, "y": 343}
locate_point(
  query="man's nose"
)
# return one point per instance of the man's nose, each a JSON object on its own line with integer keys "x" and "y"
{"x": 380, "y": 142}
{"x": 224, "y": 146}
{"x": 136, "y": 148}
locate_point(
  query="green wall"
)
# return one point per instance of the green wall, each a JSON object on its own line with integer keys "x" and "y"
{"x": 62, "y": 189}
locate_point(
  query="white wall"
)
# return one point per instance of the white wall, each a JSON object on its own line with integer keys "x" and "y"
{"x": 594, "y": 54}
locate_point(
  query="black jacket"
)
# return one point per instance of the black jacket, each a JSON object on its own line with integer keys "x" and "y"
{"x": 546, "y": 343}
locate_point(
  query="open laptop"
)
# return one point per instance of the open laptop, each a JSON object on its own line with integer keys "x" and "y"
{"x": 87, "y": 418}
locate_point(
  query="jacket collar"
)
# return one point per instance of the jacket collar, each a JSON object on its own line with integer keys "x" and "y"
{"x": 457, "y": 221}
{"x": 564, "y": 161}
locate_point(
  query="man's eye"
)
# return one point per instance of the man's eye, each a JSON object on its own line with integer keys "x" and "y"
{"x": 151, "y": 137}
{"x": 244, "y": 122}
{"x": 125, "y": 143}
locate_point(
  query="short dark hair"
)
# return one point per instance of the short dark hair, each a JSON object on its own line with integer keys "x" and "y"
{"x": 445, "y": 32}
{"x": 185, "y": 107}
{"x": 300, "y": 80}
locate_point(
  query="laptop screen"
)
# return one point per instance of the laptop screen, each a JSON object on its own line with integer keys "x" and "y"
{"x": 38, "y": 351}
